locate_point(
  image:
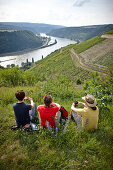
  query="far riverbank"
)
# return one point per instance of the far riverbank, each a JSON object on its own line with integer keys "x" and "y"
{"x": 18, "y": 58}
{"x": 26, "y": 50}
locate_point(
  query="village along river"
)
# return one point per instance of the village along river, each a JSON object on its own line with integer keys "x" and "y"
{"x": 17, "y": 59}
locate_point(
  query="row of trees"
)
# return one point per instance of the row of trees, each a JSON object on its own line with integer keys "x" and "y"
{"x": 24, "y": 65}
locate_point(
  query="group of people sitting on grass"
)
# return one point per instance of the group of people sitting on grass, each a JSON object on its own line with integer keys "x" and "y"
{"x": 51, "y": 114}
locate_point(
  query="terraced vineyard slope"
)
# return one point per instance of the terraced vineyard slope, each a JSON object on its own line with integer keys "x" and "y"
{"x": 96, "y": 54}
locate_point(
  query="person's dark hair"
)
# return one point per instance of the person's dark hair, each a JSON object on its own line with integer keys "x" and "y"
{"x": 93, "y": 108}
{"x": 20, "y": 94}
{"x": 47, "y": 100}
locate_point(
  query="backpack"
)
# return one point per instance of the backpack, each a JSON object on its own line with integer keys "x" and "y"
{"x": 64, "y": 113}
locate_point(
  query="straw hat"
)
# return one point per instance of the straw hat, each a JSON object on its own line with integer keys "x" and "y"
{"x": 90, "y": 100}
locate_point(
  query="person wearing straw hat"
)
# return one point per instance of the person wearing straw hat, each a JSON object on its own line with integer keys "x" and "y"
{"x": 86, "y": 117}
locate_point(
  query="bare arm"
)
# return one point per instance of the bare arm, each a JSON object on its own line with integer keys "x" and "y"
{"x": 81, "y": 103}
{"x": 31, "y": 100}
{"x": 73, "y": 108}
{"x": 58, "y": 105}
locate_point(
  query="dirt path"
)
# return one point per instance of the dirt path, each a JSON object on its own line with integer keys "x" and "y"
{"x": 77, "y": 62}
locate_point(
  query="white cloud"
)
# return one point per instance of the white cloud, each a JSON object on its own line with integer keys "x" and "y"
{"x": 60, "y": 12}
{"x": 79, "y": 3}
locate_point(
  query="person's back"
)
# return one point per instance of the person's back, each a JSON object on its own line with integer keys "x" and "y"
{"x": 89, "y": 117}
{"x": 21, "y": 111}
{"x": 48, "y": 112}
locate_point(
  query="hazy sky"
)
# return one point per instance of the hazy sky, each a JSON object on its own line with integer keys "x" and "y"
{"x": 58, "y": 12}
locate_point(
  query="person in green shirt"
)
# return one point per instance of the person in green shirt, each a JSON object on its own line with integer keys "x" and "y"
{"x": 86, "y": 117}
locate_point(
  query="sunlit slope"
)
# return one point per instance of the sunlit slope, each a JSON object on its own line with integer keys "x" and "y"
{"x": 58, "y": 64}
{"x": 99, "y": 55}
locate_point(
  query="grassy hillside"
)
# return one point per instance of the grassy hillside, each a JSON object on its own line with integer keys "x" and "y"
{"x": 13, "y": 41}
{"x": 79, "y": 48}
{"x": 109, "y": 32}
{"x": 66, "y": 82}
{"x": 58, "y": 64}
{"x": 81, "y": 33}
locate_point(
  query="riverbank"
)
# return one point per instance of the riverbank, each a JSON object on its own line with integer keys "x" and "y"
{"x": 36, "y": 54}
{"x": 26, "y": 50}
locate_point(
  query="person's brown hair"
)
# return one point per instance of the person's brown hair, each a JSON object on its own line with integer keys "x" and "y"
{"x": 47, "y": 100}
{"x": 20, "y": 94}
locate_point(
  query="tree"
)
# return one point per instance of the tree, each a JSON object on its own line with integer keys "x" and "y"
{"x": 12, "y": 65}
{"x": 22, "y": 64}
{"x": 78, "y": 41}
{"x": 8, "y": 66}
{"x": 78, "y": 81}
{"x": 32, "y": 60}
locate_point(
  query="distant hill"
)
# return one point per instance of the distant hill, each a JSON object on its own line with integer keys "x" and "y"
{"x": 36, "y": 28}
{"x": 13, "y": 41}
{"x": 81, "y": 33}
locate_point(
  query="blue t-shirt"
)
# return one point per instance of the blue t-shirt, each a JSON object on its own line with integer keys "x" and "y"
{"x": 21, "y": 111}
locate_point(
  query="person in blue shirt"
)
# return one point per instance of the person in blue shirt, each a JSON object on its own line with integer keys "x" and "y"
{"x": 23, "y": 112}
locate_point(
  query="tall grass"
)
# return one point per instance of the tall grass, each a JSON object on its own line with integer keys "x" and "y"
{"x": 77, "y": 149}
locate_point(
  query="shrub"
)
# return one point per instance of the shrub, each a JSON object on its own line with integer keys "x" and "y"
{"x": 15, "y": 76}
{"x": 78, "y": 81}
{"x": 11, "y": 77}
{"x": 102, "y": 89}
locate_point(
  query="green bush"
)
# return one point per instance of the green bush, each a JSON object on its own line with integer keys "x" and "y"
{"x": 15, "y": 76}
{"x": 78, "y": 81}
{"x": 102, "y": 89}
{"x": 11, "y": 77}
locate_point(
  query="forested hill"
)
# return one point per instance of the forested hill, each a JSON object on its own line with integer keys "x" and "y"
{"x": 36, "y": 28}
{"x": 13, "y": 41}
{"x": 81, "y": 33}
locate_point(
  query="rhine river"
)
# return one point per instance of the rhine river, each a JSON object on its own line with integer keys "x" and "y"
{"x": 17, "y": 59}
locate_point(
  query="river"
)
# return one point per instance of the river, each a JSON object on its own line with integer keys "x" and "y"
{"x": 36, "y": 54}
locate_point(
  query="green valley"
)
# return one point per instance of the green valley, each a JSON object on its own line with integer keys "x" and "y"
{"x": 66, "y": 75}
